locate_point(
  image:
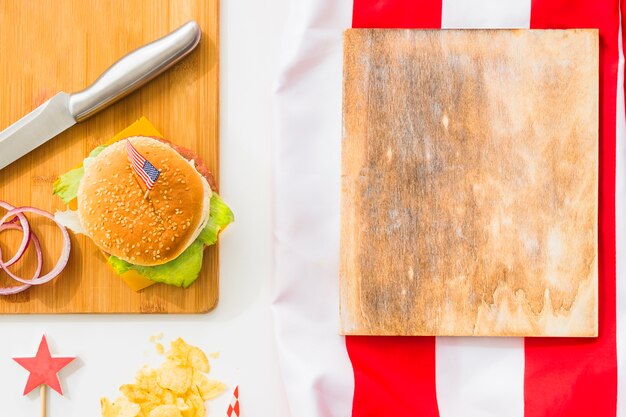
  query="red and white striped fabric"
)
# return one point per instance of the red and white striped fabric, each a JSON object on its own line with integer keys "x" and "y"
{"x": 327, "y": 375}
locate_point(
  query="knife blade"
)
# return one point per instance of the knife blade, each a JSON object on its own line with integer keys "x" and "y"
{"x": 36, "y": 128}
{"x": 64, "y": 110}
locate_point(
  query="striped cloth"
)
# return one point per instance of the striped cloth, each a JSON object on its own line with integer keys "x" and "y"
{"x": 331, "y": 376}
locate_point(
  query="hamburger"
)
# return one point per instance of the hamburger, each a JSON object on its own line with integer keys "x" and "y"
{"x": 160, "y": 234}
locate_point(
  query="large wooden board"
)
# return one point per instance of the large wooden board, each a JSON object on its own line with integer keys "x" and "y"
{"x": 469, "y": 194}
{"x": 64, "y": 45}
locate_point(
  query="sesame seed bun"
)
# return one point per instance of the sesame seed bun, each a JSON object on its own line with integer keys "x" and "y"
{"x": 152, "y": 231}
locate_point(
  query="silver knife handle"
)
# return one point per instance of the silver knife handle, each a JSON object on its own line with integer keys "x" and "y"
{"x": 134, "y": 70}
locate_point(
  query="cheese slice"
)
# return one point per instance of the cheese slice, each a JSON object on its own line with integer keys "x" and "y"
{"x": 141, "y": 127}
{"x": 136, "y": 281}
{"x": 133, "y": 279}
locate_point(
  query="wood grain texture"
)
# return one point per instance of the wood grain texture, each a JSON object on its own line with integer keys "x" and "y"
{"x": 469, "y": 183}
{"x": 51, "y": 46}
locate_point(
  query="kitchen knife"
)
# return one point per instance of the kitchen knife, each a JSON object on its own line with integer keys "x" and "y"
{"x": 64, "y": 110}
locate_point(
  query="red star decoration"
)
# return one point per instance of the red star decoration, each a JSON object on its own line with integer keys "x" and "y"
{"x": 43, "y": 368}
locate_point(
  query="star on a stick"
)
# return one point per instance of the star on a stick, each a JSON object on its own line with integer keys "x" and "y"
{"x": 43, "y": 368}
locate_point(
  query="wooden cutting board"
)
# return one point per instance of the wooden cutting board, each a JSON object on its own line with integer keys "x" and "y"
{"x": 64, "y": 45}
{"x": 469, "y": 183}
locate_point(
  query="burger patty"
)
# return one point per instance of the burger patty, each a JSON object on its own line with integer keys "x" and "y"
{"x": 189, "y": 155}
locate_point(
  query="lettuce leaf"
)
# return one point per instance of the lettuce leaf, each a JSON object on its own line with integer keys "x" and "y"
{"x": 180, "y": 272}
{"x": 184, "y": 270}
{"x": 66, "y": 186}
{"x": 92, "y": 155}
{"x": 220, "y": 216}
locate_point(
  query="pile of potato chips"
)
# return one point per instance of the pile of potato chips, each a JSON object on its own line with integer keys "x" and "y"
{"x": 177, "y": 388}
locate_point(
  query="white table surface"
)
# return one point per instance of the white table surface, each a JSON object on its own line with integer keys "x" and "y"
{"x": 112, "y": 348}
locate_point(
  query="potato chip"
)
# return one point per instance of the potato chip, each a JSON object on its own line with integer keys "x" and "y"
{"x": 174, "y": 377}
{"x": 208, "y": 389}
{"x": 198, "y": 360}
{"x": 195, "y": 403}
{"x": 120, "y": 408}
{"x": 165, "y": 411}
{"x": 177, "y": 388}
{"x": 181, "y": 404}
{"x": 186, "y": 355}
{"x": 179, "y": 351}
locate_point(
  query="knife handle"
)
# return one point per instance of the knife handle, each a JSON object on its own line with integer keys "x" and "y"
{"x": 134, "y": 70}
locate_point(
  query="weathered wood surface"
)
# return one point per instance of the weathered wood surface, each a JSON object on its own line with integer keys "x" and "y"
{"x": 469, "y": 183}
{"x": 51, "y": 46}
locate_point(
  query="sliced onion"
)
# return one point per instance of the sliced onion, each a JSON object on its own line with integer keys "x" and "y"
{"x": 19, "y": 288}
{"x": 65, "y": 252}
{"x": 14, "y": 290}
{"x": 25, "y": 229}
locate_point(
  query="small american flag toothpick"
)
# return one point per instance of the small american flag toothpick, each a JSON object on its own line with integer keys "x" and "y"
{"x": 233, "y": 408}
{"x": 142, "y": 167}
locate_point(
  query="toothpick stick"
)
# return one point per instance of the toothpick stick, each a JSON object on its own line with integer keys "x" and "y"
{"x": 44, "y": 403}
{"x": 145, "y": 196}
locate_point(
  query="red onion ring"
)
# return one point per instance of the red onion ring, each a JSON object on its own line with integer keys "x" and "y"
{"x": 19, "y": 288}
{"x": 65, "y": 252}
{"x": 25, "y": 229}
